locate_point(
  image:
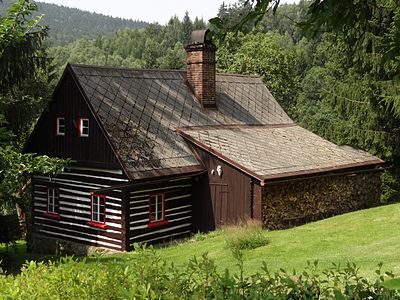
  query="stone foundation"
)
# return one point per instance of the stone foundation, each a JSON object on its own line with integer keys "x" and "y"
{"x": 293, "y": 203}
{"x": 48, "y": 245}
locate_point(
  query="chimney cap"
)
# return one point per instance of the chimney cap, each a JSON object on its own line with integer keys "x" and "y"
{"x": 200, "y": 37}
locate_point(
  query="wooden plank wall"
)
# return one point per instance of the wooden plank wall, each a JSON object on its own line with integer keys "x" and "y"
{"x": 75, "y": 186}
{"x": 69, "y": 103}
{"x": 234, "y": 185}
{"x": 178, "y": 199}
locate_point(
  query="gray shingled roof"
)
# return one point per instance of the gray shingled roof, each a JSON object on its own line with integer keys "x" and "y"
{"x": 277, "y": 151}
{"x": 140, "y": 110}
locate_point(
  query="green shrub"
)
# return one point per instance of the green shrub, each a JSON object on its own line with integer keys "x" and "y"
{"x": 144, "y": 275}
{"x": 247, "y": 237}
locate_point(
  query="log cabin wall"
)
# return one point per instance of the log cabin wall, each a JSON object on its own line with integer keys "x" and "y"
{"x": 296, "y": 202}
{"x": 177, "y": 193}
{"x": 74, "y": 186}
{"x": 229, "y": 195}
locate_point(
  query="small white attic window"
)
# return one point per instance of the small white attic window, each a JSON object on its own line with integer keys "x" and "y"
{"x": 83, "y": 127}
{"x": 60, "y": 126}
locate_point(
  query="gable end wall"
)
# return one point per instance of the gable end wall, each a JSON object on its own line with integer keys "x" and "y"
{"x": 69, "y": 103}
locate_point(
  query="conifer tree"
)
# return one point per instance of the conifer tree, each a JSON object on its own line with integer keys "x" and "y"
{"x": 187, "y": 28}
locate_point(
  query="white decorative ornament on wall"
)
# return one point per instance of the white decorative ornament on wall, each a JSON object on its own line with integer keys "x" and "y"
{"x": 219, "y": 171}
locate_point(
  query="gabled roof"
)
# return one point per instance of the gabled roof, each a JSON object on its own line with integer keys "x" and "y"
{"x": 276, "y": 151}
{"x": 140, "y": 110}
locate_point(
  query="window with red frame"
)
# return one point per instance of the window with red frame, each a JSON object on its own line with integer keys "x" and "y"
{"x": 157, "y": 209}
{"x": 83, "y": 127}
{"x": 60, "y": 126}
{"x": 53, "y": 201}
{"x": 98, "y": 214}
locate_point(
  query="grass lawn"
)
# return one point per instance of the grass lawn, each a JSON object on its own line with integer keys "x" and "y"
{"x": 365, "y": 237}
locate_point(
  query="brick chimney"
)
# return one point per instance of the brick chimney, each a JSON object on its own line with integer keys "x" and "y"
{"x": 200, "y": 61}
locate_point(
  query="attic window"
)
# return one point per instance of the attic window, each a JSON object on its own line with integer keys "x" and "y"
{"x": 157, "y": 210}
{"x": 83, "y": 127}
{"x": 60, "y": 126}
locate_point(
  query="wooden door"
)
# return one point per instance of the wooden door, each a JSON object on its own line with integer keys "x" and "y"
{"x": 219, "y": 196}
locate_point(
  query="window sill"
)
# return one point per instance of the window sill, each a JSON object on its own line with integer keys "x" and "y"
{"x": 157, "y": 223}
{"x": 96, "y": 224}
{"x": 52, "y": 216}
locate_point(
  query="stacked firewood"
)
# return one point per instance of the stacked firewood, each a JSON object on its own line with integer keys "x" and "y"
{"x": 296, "y": 202}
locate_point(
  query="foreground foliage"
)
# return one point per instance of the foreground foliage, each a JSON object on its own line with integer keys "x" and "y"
{"x": 144, "y": 275}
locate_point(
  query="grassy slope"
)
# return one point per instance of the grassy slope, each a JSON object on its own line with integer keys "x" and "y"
{"x": 364, "y": 237}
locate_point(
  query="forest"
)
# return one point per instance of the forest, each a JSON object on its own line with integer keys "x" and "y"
{"x": 67, "y": 24}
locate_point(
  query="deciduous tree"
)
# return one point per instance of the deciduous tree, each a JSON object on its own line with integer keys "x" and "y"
{"x": 21, "y": 59}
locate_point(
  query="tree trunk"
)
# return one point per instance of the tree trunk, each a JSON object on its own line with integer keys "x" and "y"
{"x": 22, "y": 219}
{"x": 20, "y": 210}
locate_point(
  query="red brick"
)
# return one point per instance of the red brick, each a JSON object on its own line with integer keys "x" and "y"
{"x": 200, "y": 61}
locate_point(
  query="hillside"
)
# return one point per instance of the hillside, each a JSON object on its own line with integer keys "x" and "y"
{"x": 365, "y": 237}
{"x": 69, "y": 24}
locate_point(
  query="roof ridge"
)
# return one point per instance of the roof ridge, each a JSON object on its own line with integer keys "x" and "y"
{"x": 125, "y": 68}
{"x": 239, "y": 75}
{"x": 157, "y": 70}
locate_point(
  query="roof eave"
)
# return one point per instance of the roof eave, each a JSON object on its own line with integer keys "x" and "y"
{"x": 372, "y": 165}
{"x": 146, "y": 180}
{"x": 158, "y": 173}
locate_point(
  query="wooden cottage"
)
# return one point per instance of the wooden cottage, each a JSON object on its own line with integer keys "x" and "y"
{"x": 160, "y": 154}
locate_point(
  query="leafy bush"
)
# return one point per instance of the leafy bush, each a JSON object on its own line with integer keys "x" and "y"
{"x": 144, "y": 275}
{"x": 247, "y": 237}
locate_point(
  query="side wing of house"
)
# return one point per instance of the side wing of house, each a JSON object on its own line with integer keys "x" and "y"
{"x": 69, "y": 207}
{"x": 160, "y": 210}
{"x": 281, "y": 175}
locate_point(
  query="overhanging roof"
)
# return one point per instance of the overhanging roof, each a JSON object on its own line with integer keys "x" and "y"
{"x": 276, "y": 151}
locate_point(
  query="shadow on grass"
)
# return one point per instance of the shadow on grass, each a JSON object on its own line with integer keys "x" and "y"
{"x": 14, "y": 257}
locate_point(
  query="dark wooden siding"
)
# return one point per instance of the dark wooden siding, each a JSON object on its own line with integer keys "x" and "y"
{"x": 68, "y": 103}
{"x": 230, "y": 194}
{"x": 74, "y": 187}
{"x": 178, "y": 211}
{"x": 203, "y": 215}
